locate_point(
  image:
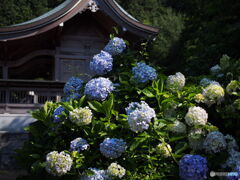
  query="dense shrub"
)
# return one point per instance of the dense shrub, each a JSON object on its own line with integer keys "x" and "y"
{"x": 124, "y": 125}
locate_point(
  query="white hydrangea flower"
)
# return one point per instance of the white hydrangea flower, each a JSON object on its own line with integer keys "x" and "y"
{"x": 196, "y": 138}
{"x": 116, "y": 170}
{"x": 175, "y": 82}
{"x": 58, "y": 164}
{"x": 213, "y": 94}
{"x": 164, "y": 149}
{"x": 215, "y": 142}
{"x": 81, "y": 116}
{"x": 178, "y": 127}
{"x": 196, "y": 116}
{"x": 199, "y": 98}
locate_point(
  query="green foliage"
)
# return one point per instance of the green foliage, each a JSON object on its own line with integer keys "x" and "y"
{"x": 15, "y": 11}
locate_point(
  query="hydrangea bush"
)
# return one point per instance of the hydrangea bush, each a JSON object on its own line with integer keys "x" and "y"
{"x": 133, "y": 123}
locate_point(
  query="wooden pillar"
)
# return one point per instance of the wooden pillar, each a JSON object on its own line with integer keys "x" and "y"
{"x": 5, "y": 72}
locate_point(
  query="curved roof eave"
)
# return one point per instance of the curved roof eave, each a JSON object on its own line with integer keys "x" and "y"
{"x": 67, "y": 10}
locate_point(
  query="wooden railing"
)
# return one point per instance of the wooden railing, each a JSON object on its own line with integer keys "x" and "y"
{"x": 21, "y": 96}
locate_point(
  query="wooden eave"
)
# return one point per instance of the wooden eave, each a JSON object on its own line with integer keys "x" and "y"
{"x": 110, "y": 7}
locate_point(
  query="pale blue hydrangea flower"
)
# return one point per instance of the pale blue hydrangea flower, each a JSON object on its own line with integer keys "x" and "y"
{"x": 175, "y": 82}
{"x": 115, "y": 46}
{"x": 139, "y": 116}
{"x": 102, "y": 63}
{"x": 215, "y": 142}
{"x": 79, "y": 144}
{"x": 99, "y": 88}
{"x": 143, "y": 73}
{"x": 57, "y": 114}
{"x": 112, "y": 147}
{"x": 58, "y": 164}
{"x": 116, "y": 170}
{"x": 74, "y": 85}
{"x": 98, "y": 175}
{"x": 231, "y": 143}
{"x": 205, "y": 82}
{"x": 193, "y": 167}
{"x": 233, "y": 159}
{"x": 215, "y": 69}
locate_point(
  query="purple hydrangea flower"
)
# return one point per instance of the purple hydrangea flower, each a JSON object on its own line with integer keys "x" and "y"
{"x": 102, "y": 63}
{"x": 99, "y": 88}
{"x": 143, "y": 73}
{"x": 74, "y": 85}
{"x": 75, "y": 96}
{"x": 115, "y": 46}
{"x": 57, "y": 114}
{"x": 79, "y": 144}
{"x": 112, "y": 148}
{"x": 193, "y": 167}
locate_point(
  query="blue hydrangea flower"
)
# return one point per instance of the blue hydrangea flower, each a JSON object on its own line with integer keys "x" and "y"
{"x": 139, "y": 116}
{"x": 75, "y": 96}
{"x": 98, "y": 175}
{"x": 57, "y": 113}
{"x": 115, "y": 46}
{"x": 214, "y": 143}
{"x": 99, "y": 88}
{"x": 143, "y": 73}
{"x": 193, "y": 167}
{"x": 74, "y": 85}
{"x": 112, "y": 148}
{"x": 235, "y": 175}
{"x": 102, "y": 63}
{"x": 79, "y": 144}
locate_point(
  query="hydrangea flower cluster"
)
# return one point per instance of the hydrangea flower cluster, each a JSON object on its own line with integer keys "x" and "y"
{"x": 99, "y": 88}
{"x": 196, "y": 116}
{"x": 75, "y": 96}
{"x": 199, "y": 98}
{"x": 102, "y": 63}
{"x": 74, "y": 85}
{"x": 205, "y": 82}
{"x": 81, "y": 116}
{"x": 213, "y": 94}
{"x": 164, "y": 149}
{"x": 215, "y": 142}
{"x": 57, "y": 113}
{"x": 143, "y": 73}
{"x": 233, "y": 86}
{"x": 196, "y": 138}
{"x": 235, "y": 175}
{"x": 175, "y": 82}
{"x": 215, "y": 69}
{"x": 139, "y": 116}
{"x": 97, "y": 175}
{"x": 112, "y": 147}
{"x": 233, "y": 160}
{"x": 115, "y": 46}
{"x": 79, "y": 144}
{"x": 231, "y": 143}
{"x": 116, "y": 170}
{"x": 178, "y": 127}
{"x": 193, "y": 167}
{"x": 58, "y": 164}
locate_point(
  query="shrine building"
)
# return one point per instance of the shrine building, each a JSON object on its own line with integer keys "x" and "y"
{"x": 38, "y": 56}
